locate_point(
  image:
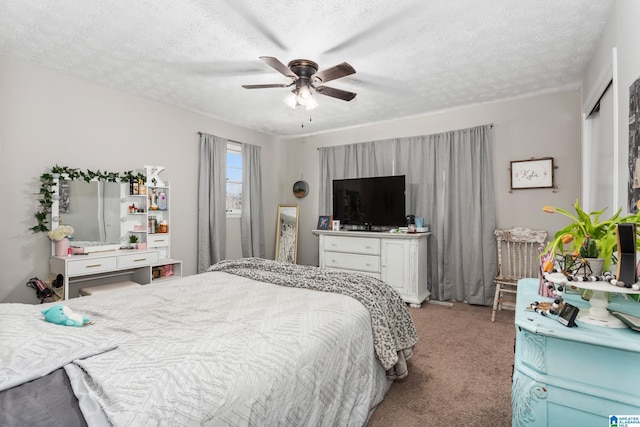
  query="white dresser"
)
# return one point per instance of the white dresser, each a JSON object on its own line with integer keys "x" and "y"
{"x": 401, "y": 260}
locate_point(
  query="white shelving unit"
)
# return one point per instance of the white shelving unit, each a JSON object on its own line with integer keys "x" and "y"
{"x": 147, "y": 216}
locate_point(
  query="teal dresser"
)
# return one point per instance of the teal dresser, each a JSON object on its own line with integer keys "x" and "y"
{"x": 572, "y": 376}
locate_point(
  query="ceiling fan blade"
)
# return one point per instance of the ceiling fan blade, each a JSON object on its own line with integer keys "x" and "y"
{"x": 257, "y": 23}
{"x": 279, "y": 66}
{"x": 336, "y": 93}
{"x": 333, "y": 73}
{"x": 265, "y": 86}
{"x": 215, "y": 68}
{"x": 390, "y": 23}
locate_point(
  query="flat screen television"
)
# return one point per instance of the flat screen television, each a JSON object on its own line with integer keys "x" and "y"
{"x": 377, "y": 202}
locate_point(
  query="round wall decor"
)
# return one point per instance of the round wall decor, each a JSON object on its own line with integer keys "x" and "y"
{"x": 300, "y": 189}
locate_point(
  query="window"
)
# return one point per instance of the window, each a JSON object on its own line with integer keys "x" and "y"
{"x": 234, "y": 179}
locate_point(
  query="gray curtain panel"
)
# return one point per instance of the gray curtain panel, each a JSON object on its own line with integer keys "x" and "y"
{"x": 251, "y": 221}
{"x": 352, "y": 161}
{"x": 449, "y": 179}
{"x": 212, "y": 193}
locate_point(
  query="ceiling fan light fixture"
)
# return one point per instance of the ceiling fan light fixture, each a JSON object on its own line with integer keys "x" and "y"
{"x": 291, "y": 100}
{"x": 306, "y": 97}
{"x": 311, "y": 103}
{"x": 301, "y": 97}
{"x": 304, "y": 93}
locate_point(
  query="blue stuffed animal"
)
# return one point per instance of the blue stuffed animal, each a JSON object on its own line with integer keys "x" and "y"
{"x": 61, "y": 315}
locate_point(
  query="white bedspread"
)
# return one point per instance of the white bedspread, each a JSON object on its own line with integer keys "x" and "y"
{"x": 233, "y": 352}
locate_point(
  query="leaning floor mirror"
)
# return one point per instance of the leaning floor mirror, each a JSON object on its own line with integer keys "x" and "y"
{"x": 287, "y": 233}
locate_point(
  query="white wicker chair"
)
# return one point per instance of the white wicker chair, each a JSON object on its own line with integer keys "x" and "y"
{"x": 518, "y": 250}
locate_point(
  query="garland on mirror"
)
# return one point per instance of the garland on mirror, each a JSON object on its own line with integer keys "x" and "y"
{"x": 47, "y": 181}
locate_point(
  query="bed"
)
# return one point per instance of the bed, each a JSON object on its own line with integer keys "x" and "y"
{"x": 250, "y": 342}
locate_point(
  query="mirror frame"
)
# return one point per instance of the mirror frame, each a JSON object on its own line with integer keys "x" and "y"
{"x": 300, "y": 189}
{"x": 295, "y": 242}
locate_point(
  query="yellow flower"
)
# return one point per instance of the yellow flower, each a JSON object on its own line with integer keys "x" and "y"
{"x": 549, "y": 209}
{"x": 547, "y": 266}
{"x": 567, "y": 238}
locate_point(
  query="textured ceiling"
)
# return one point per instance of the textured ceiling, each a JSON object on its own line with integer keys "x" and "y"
{"x": 411, "y": 57}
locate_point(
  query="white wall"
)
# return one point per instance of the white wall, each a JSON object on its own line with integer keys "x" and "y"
{"x": 547, "y": 125}
{"x": 621, "y": 32}
{"x": 47, "y": 118}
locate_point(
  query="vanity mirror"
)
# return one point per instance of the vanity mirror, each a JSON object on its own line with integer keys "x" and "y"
{"x": 88, "y": 201}
{"x": 287, "y": 233}
{"x": 92, "y": 208}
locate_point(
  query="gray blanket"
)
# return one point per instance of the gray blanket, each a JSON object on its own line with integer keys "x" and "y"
{"x": 393, "y": 330}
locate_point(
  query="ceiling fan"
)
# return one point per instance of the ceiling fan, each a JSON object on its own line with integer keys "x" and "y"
{"x": 305, "y": 76}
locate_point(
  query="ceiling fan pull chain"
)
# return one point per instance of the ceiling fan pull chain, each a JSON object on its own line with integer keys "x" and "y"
{"x": 303, "y": 118}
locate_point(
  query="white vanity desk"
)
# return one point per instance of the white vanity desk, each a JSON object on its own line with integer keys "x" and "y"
{"x": 128, "y": 211}
{"x": 100, "y": 268}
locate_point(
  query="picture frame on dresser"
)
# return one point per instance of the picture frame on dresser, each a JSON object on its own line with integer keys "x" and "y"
{"x": 324, "y": 222}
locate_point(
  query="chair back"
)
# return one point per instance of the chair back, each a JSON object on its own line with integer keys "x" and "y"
{"x": 518, "y": 250}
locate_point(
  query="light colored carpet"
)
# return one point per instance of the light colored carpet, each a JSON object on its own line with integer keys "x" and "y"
{"x": 460, "y": 373}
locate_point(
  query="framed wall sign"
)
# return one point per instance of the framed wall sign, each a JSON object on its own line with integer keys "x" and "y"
{"x": 532, "y": 173}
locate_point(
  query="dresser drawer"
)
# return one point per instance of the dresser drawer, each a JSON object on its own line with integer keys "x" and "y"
{"x": 366, "y": 273}
{"x": 137, "y": 259}
{"x": 91, "y": 266}
{"x": 357, "y": 262}
{"x": 360, "y": 245}
{"x": 157, "y": 240}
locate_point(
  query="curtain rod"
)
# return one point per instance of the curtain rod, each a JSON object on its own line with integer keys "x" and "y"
{"x": 489, "y": 124}
{"x": 238, "y": 142}
{"x": 230, "y": 140}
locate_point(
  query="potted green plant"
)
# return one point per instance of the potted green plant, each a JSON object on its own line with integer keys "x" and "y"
{"x": 589, "y": 251}
{"x": 587, "y": 235}
{"x": 133, "y": 239}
